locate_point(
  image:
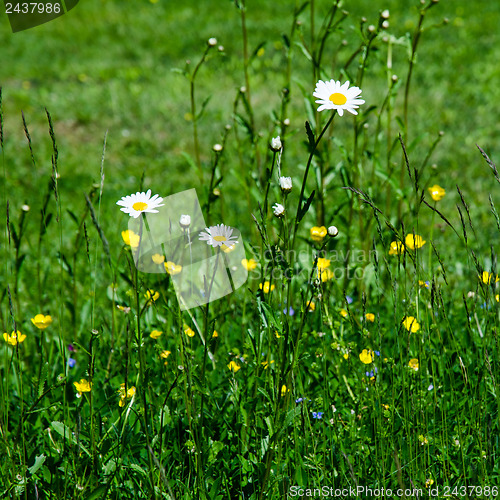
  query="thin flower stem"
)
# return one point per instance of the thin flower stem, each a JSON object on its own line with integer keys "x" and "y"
{"x": 142, "y": 388}
{"x": 304, "y": 180}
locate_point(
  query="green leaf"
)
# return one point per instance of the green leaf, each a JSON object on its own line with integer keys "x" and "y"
{"x": 98, "y": 493}
{"x": 39, "y": 461}
{"x": 310, "y": 136}
{"x": 303, "y": 210}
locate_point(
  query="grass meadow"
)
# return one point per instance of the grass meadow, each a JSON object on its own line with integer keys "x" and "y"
{"x": 360, "y": 357}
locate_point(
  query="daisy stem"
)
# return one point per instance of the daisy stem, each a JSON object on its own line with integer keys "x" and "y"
{"x": 304, "y": 180}
{"x": 141, "y": 362}
{"x": 269, "y": 183}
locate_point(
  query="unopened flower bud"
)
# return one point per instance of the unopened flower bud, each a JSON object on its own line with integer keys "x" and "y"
{"x": 276, "y": 143}
{"x": 185, "y": 221}
{"x": 278, "y": 210}
{"x": 212, "y": 42}
{"x": 333, "y": 231}
{"x": 285, "y": 184}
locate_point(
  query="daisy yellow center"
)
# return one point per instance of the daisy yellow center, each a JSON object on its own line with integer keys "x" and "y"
{"x": 220, "y": 238}
{"x": 139, "y": 206}
{"x": 338, "y": 99}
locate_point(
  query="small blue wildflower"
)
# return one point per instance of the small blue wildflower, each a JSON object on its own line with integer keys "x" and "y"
{"x": 377, "y": 353}
{"x": 290, "y": 311}
{"x": 71, "y": 362}
{"x": 299, "y": 400}
{"x": 317, "y": 414}
{"x": 348, "y": 299}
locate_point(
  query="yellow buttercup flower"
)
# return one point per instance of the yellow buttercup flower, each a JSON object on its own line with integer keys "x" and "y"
{"x": 414, "y": 241}
{"x": 488, "y": 278}
{"x": 266, "y": 364}
{"x": 151, "y": 296}
{"x": 370, "y": 317}
{"x": 165, "y": 354}
{"x": 125, "y": 395}
{"x": 155, "y": 334}
{"x": 366, "y": 356}
{"x": 215, "y": 334}
{"x": 172, "y": 268}
{"x": 413, "y": 364}
{"x": 130, "y": 238}
{"x": 437, "y": 192}
{"x": 344, "y": 313}
{"x": 14, "y": 338}
{"x": 311, "y": 306}
{"x": 266, "y": 287}
{"x": 82, "y": 386}
{"x": 325, "y": 274}
{"x": 233, "y": 366}
{"x": 396, "y": 248}
{"x": 318, "y": 233}
{"x": 158, "y": 258}
{"x": 284, "y": 390}
{"x": 41, "y": 321}
{"x": 411, "y": 324}
{"x": 188, "y": 331}
{"x": 346, "y": 355}
{"x": 249, "y": 264}
{"x": 323, "y": 263}
{"x": 429, "y": 483}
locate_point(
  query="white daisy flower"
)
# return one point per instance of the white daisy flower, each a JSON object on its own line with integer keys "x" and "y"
{"x": 278, "y": 210}
{"x": 285, "y": 184}
{"x": 136, "y": 204}
{"x": 333, "y": 95}
{"x": 219, "y": 236}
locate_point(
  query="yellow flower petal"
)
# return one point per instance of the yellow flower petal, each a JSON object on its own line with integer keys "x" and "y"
{"x": 41, "y": 321}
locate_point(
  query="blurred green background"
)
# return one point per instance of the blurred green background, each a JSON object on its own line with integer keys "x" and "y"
{"x": 108, "y": 66}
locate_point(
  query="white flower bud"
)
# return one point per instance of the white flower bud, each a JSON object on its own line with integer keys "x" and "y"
{"x": 333, "y": 231}
{"x": 276, "y": 143}
{"x": 286, "y": 184}
{"x": 212, "y": 42}
{"x": 185, "y": 221}
{"x": 385, "y": 14}
{"x": 217, "y": 148}
{"x": 278, "y": 210}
